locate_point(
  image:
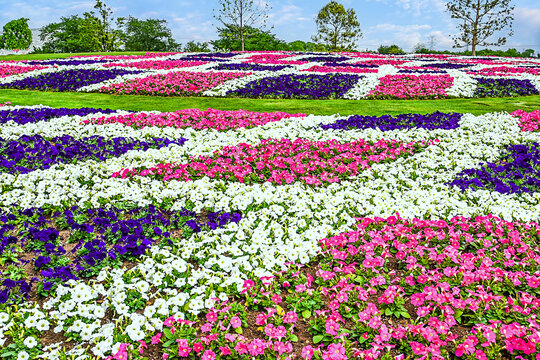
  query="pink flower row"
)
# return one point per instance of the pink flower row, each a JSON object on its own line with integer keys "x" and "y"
{"x": 282, "y": 161}
{"x": 173, "y": 83}
{"x": 528, "y": 121}
{"x": 273, "y": 59}
{"x": 198, "y": 119}
{"x": 340, "y": 69}
{"x": 8, "y": 70}
{"x": 158, "y": 64}
{"x": 412, "y": 86}
{"x": 505, "y": 71}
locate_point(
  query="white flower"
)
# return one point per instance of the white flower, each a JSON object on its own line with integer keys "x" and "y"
{"x": 42, "y": 325}
{"x": 23, "y": 355}
{"x": 30, "y": 342}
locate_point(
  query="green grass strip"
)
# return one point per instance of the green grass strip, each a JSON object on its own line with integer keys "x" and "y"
{"x": 317, "y": 107}
{"x": 65, "y": 55}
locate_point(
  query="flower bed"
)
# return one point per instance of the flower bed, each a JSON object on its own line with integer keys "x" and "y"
{"x": 66, "y": 80}
{"x": 412, "y": 86}
{"x": 282, "y": 162}
{"x": 389, "y": 261}
{"x": 9, "y": 70}
{"x": 172, "y": 83}
{"x": 528, "y": 121}
{"x": 158, "y": 74}
{"x": 196, "y": 119}
{"x": 299, "y": 86}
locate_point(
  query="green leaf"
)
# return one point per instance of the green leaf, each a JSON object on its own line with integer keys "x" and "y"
{"x": 168, "y": 343}
{"x": 306, "y": 314}
{"x": 294, "y": 338}
{"x": 317, "y": 339}
{"x": 387, "y": 312}
{"x": 11, "y": 353}
{"x": 405, "y": 315}
{"x": 238, "y": 330}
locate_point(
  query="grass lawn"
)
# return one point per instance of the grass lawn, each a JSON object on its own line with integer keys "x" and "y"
{"x": 317, "y": 107}
{"x": 65, "y": 55}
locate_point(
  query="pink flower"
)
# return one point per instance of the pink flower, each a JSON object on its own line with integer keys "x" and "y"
{"x": 165, "y": 356}
{"x": 256, "y": 347}
{"x": 183, "y": 347}
{"x": 211, "y": 317}
{"x": 197, "y": 347}
{"x": 236, "y": 322}
{"x": 276, "y": 299}
{"x": 241, "y": 348}
{"x": 225, "y": 350}
{"x": 307, "y": 352}
{"x": 332, "y": 327}
{"x": 155, "y": 339}
{"x": 290, "y": 317}
{"x": 335, "y": 352}
{"x": 209, "y": 355}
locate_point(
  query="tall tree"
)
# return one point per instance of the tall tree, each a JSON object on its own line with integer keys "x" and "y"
{"x": 337, "y": 29}
{"x": 480, "y": 20}
{"x": 71, "y": 34}
{"x": 148, "y": 35}
{"x": 108, "y": 37}
{"x": 240, "y": 14}
{"x": 255, "y": 39}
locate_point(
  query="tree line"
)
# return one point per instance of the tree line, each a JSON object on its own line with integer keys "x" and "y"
{"x": 242, "y": 26}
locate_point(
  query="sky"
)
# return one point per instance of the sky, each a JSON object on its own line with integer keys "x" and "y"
{"x": 402, "y": 22}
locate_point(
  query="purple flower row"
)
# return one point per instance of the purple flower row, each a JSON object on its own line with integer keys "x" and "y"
{"x": 518, "y": 171}
{"x": 299, "y": 86}
{"x": 250, "y": 67}
{"x": 30, "y": 153}
{"x": 68, "y": 80}
{"x": 30, "y": 115}
{"x": 436, "y": 120}
{"x": 70, "y": 62}
{"x": 104, "y": 238}
{"x": 488, "y": 87}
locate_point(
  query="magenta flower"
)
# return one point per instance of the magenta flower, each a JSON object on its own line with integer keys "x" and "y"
{"x": 236, "y": 322}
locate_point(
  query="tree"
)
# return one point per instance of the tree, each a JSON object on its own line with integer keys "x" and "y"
{"x": 390, "y": 49}
{"x": 239, "y": 14}
{"x": 16, "y": 35}
{"x": 195, "y": 46}
{"x": 300, "y": 45}
{"x": 71, "y": 34}
{"x": 481, "y": 19}
{"x": 148, "y": 35}
{"x": 337, "y": 28}
{"x": 108, "y": 38}
{"x": 256, "y": 39}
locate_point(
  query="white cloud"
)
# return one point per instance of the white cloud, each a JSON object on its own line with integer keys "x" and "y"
{"x": 286, "y": 14}
{"x": 529, "y": 16}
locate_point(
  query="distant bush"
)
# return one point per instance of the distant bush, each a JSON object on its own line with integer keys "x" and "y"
{"x": 390, "y": 49}
{"x": 485, "y": 52}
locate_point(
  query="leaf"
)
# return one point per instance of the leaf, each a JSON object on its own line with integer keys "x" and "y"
{"x": 11, "y": 353}
{"x": 388, "y": 312}
{"x": 405, "y": 315}
{"x": 294, "y": 338}
{"x": 318, "y": 338}
{"x": 167, "y": 333}
{"x": 168, "y": 343}
{"x": 238, "y": 330}
{"x": 306, "y": 314}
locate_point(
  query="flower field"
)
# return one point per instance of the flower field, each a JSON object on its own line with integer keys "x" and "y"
{"x": 210, "y": 234}
{"x": 287, "y": 75}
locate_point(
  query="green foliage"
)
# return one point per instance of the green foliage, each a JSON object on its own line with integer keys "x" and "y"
{"x": 337, "y": 28}
{"x": 240, "y": 16}
{"x": 148, "y": 35}
{"x": 390, "y": 49}
{"x": 484, "y": 52}
{"x": 480, "y": 19}
{"x": 16, "y": 35}
{"x": 90, "y": 32}
{"x": 254, "y": 39}
{"x": 71, "y": 34}
{"x": 195, "y": 46}
{"x": 300, "y": 45}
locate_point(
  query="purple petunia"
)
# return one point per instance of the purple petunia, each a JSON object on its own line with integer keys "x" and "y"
{"x": 299, "y": 86}
{"x": 25, "y": 116}
{"x": 436, "y": 120}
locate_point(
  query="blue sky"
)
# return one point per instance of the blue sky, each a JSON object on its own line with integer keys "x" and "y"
{"x": 404, "y": 22}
